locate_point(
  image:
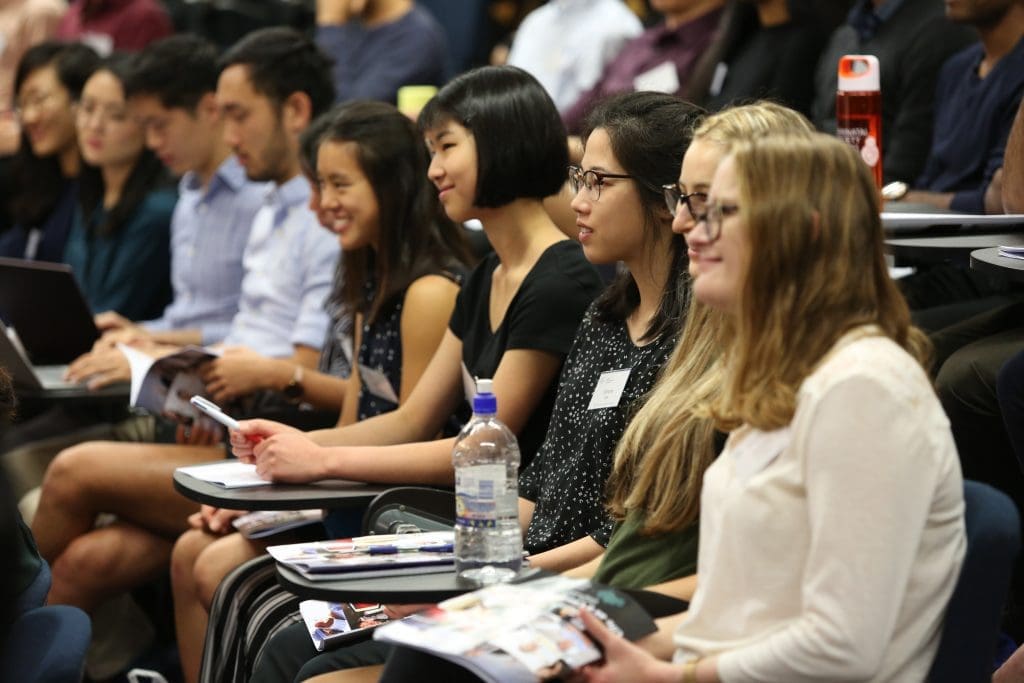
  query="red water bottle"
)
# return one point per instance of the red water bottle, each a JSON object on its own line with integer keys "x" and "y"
{"x": 859, "y": 109}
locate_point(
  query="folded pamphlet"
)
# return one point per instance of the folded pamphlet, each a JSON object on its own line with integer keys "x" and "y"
{"x": 164, "y": 385}
{"x": 520, "y": 632}
{"x": 332, "y": 623}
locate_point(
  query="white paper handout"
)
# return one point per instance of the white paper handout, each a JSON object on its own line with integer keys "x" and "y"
{"x": 230, "y": 474}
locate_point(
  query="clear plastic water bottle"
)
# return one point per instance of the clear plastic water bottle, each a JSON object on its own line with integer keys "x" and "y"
{"x": 488, "y": 542}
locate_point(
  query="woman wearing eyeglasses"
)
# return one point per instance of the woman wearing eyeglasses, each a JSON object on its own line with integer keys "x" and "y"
{"x": 832, "y": 524}
{"x": 45, "y": 168}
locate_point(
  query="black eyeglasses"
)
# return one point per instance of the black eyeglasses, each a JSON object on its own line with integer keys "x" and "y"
{"x": 694, "y": 201}
{"x": 712, "y": 219}
{"x": 592, "y": 180}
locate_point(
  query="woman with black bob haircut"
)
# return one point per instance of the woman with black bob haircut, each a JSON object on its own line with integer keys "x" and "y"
{"x": 520, "y": 142}
{"x": 497, "y": 149}
{"x": 47, "y": 85}
{"x": 119, "y": 246}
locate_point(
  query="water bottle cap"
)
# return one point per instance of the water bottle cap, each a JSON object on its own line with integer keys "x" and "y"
{"x": 485, "y": 402}
{"x": 859, "y": 73}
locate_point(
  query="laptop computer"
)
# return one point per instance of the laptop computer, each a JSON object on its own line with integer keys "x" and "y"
{"x": 44, "y": 303}
{"x": 23, "y": 373}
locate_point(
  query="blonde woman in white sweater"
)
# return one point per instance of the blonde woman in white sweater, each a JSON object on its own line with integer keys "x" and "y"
{"x": 832, "y": 526}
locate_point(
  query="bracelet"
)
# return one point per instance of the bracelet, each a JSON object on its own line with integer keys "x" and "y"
{"x": 690, "y": 671}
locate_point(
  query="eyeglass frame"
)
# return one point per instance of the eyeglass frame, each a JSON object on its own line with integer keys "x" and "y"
{"x": 713, "y": 218}
{"x": 594, "y": 189}
{"x": 674, "y": 194}
{"x": 39, "y": 102}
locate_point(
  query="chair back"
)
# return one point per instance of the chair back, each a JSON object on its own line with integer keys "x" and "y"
{"x": 407, "y": 509}
{"x": 971, "y": 628}
{"x": 46, "y": 645}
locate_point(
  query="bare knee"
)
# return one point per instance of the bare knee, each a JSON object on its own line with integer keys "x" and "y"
{"x": 73, "y": 473}
{"x": 216, "y": 562}
{"x": 187, "y": 549}
{"x": 80, "y": 573}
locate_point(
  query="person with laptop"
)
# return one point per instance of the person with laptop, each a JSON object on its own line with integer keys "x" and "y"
{"x": 209, "y": 230}
{"x": 213, "y": 216}
{"x": 271, "y": 85}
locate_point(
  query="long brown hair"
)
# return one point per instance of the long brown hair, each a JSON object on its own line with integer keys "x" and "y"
{"x": 415, "y": 237}
{"x": 660, "y": 461}
{"x": 811, "y": 212}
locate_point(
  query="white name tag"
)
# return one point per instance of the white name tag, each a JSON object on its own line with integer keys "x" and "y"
{"x": 468, "y": 385}
{"x": 662, "y": 78}
{"x": 609, "y": 389}
{"x": 376, "y": 382}
{"x": 758, "y": 450}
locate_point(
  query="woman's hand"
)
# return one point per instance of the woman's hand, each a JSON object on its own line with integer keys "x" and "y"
{"x": 214, "y": 520}
{"x": 239, "y": 371}
{"x": 623, "y": 661}
{"x": 252, "y": 432}
{"x": 290, "y": 458}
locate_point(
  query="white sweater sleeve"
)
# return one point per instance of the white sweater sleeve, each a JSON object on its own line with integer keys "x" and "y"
{"x": 870, "y": 472}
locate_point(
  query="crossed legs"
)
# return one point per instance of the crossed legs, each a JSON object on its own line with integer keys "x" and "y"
{"x": 131, "y": 481}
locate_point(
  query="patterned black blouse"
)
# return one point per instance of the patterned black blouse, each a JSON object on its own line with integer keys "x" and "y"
{"x": 566, "y": 480}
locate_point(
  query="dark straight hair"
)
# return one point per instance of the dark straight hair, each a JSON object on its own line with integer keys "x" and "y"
{"x": 649, "y": 132}
{"x": 282, "y": 61}
{"x": 415, "y": 238}
{"x": 521, "y": 144}
{"x": 178, "y": 71}
{"x": 147, "y": 174}
{"x": 38, "y": 181}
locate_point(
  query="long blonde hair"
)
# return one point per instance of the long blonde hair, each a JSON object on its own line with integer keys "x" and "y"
{"x": 660, "y": 460}
{"x": 818, "y": 270}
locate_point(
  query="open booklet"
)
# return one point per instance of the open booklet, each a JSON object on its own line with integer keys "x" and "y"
{"x": 369, "y": 556}
{"x": 164, "y": 385}
{"x": 332, "y": 623}
{"x": 520, "y": 632}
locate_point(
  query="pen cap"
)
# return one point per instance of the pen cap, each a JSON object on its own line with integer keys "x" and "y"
{"x": 859, "y": 73}
{"x": 485, "y": 402}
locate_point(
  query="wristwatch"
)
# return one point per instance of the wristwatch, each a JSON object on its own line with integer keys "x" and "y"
{"x": 293, "y": 390}
{"x": 895, "y": 191}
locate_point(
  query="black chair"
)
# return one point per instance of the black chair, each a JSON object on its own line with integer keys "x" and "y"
{"x": 971, "y": 627}
{"x": 410, "y": 509}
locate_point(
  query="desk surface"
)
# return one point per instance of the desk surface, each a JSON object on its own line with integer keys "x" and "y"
{"x": 402, "y": 589}
{"x": 988, "y": 260}
{"x": 949, "y": 245}
{"x": 325, "y": 494}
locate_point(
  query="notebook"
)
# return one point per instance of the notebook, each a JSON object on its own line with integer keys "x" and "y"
{"x": 44, "y": 303}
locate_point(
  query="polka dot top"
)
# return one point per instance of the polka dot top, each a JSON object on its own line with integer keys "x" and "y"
{"x": 566, "y": 480}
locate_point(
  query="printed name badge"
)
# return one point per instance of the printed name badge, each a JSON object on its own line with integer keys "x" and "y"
{"x": 468, "y": 385}
{"x": 376, "y": 382}
{"x": 662, "y": 78}
{"x": 609, "y": 389}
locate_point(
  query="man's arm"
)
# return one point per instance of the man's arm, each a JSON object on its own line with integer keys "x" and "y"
{"x": 1013, "y": 166}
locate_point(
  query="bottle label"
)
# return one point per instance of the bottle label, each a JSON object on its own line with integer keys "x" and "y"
{"x": 478, "y": 488}
{"x": 859, "y": 132}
